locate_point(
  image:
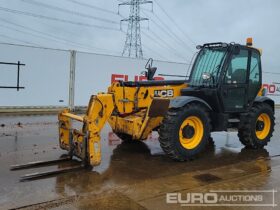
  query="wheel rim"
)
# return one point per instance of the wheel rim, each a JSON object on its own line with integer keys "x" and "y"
{"x": 191, "y": 132}
{"x": 263, "y": 125}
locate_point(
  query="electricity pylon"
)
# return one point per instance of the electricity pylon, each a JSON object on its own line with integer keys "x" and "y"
{"x": 133, "y": 45}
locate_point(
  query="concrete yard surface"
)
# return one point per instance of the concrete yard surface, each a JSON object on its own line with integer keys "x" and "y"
{"x": 134, "y": 175}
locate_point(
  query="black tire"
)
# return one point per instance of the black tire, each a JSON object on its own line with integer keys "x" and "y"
{"x": 169, "y": 131}
{"x": 124, "y": 137}
{"x": 247, "y": 129}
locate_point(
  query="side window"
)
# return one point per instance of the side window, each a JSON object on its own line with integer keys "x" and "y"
{"x": 237, "y": 69}
{"x": 255, "y": 77}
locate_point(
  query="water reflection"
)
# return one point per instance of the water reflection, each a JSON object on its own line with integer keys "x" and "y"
{"x": 132, "y": 163}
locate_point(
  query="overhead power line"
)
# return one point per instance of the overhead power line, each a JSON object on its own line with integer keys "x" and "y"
{"x": 20, "y": 40}
{"x": 69, "y": 11}
{"x": 165, "y": 28}
{"x": 268, "y": 72}
{"x": 92, "y": 6}
{"x": 42, "y": 37}
{"x": 52, "y": 37}
{"x": 172, "y": 20}
{"x": 56, "y": 19}
{"x": 167, "y": 44}
{"x": 156, "y": 39}
{"x": 154, "y": 52}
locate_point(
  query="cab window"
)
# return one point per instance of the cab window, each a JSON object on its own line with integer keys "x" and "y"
{"x": 237, "y": 69}
{"x": 255, "y": 75}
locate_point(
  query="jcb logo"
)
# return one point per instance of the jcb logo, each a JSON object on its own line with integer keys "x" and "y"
{"x": 164, "y": 93}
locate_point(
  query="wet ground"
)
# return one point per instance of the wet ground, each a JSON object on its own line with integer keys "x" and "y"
{"x": 132, "y": 175}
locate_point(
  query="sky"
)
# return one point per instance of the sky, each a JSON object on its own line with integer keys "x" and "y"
{"x": 174, "y": 29}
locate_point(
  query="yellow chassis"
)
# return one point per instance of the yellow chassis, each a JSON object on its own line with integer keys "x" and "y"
{"x": 135, "y": 111}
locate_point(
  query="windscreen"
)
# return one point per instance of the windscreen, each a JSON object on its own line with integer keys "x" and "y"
{"x": 209, "y": 60}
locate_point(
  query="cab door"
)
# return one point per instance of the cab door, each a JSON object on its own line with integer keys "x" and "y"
{"x": 235, "y": 82}
{"x": 255, "y": 77}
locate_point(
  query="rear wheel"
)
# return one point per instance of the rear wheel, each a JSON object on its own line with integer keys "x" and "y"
{"x": 257, "y": 127}
{"x": 184, "y": 132}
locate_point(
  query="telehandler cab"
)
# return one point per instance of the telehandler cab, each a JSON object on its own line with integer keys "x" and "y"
{"x": 223, "y": 91}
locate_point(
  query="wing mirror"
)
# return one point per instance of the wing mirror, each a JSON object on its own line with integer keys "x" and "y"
{"x": 150, "y": 73}
{"x": 206, "y": 76}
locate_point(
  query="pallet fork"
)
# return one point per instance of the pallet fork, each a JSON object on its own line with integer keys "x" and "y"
{"x": 36, "y": 164}
{"x": 84, "y": 143}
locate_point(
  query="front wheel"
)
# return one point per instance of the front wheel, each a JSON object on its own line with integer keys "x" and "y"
{"x": 257, "y": 127}
{"x": 184, "y": 132}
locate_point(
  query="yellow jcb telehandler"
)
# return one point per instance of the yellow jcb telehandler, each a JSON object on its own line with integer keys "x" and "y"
{"x": 223, "y": 91}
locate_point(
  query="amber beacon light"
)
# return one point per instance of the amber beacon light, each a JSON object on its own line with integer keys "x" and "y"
{"x": 249, "y": 41}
